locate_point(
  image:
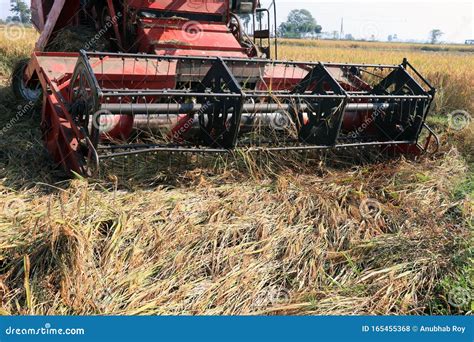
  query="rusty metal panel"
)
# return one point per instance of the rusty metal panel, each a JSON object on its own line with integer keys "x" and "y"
{"x": 193, "y": 6}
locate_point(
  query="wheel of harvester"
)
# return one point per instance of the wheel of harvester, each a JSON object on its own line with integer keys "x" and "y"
{"x": 28, "y": 92}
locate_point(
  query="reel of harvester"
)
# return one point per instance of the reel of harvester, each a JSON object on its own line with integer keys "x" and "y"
{"x": 129, "y": 104}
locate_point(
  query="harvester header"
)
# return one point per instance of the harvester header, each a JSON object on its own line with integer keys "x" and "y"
{"x": 184, "y": 76}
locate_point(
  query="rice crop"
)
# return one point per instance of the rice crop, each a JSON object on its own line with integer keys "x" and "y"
{"x": 450, "y": 69}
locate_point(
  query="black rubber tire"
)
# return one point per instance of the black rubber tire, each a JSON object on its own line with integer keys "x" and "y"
{"x": 19, "y": 88}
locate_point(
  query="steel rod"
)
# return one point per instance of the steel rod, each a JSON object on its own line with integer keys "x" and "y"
{"x": 158, "y": 148}
{"x": 247, "y": 61}
{"x": 195, "y": 108}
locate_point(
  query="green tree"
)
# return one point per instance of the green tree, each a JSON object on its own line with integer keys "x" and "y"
{"x": 435, "y": 35}
{"x": 22, "y": 11}
{"x": 349, "y": 36}
{"x": 12, "y": 19}
{"x": 300, "y": 23}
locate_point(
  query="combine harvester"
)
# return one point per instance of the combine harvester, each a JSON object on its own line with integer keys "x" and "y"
{"x": 184, "y": 76}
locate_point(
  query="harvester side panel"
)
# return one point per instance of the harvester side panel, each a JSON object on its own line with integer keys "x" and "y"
{"x": 179, "y": 37}
{"x": 212, "y": 7}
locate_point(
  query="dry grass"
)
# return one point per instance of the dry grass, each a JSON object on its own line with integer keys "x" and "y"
{"x": 15, "y": 43}
{"x": 232, "y": 236}
{"x": 291, "y": 243}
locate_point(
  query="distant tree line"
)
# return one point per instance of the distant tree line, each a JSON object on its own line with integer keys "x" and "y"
{"x": 435, "y": 34}
{"x": 299, "y": 24}
{"x": 20, "y": 13}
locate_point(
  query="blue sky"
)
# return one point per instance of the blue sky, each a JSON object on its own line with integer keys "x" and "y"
{"x": 407, "y": 19}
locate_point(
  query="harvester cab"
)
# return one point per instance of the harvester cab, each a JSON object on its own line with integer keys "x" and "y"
{"x": 186, "y": 76}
